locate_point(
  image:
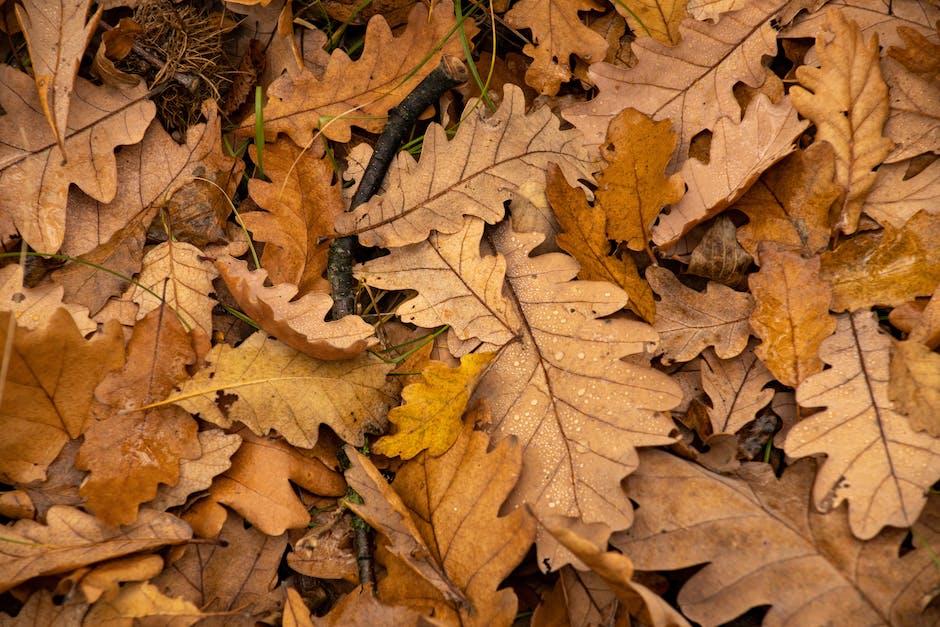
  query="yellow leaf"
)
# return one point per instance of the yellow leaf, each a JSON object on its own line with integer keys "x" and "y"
{"x": 430, "y": 417}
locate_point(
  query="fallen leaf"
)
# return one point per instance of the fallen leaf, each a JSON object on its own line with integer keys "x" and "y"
{"x": 300, "y": 203}
{"x": 912, "y": 118}
{"x": 578, "y": 598}
{"x": 49, "y": 391}
{"x": 298, "y": 322}
{"x": 914, "y": 387}
{"x": 327, "y": 550}
{"x": 34, "y": 178}
{"x": 217, "y": 448}
{"x": 719, "y": 257}
{"x": 792, "y": 314}
{"x": 486, "y": 162}
{"x": 296, "y": 612}
{"x": 736, "y": 388}
{"x": 895, "y": 199}
{"x": 920, "y": 55}
{"x": 761, "y": 546}
{"x": 71, "y": 538}
{"x": 847, "y": 100}
{"x": 361, "y": 606}
{"x": 689, "y": 321}
{"x": 876, "y": 461}
{"x": 558, "y": 33}
{"x": 659, "y": 19}
{"x": 269, "y": 386}
{"x": 41, "y": 609}
{"x": 142, "y": 601}
{"x": 103, "y": 581}
{"x": 740, "y": 152}
{"x": 430, "y": 416}
{"x": 34, "y": 306}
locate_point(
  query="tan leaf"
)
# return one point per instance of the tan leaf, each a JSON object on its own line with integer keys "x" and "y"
{"x": 296, "y": 612}
{"x": 104, "y": 580}
{"x": 196, "y": 474}
{"x": 764, "y": 547}
{"x": 258, "y": 486}
{"x": 926, "y": 329}
{"x": 34, "y": 306}
{"x": 920, "y": 55}
{"x": 49, "y": 391}
{"x": 690, "y": 84}
{"x": 886, "y": 267}
{"x": 236, "y": 576}
{"x": 301, "y": 203}
{"x": 736, "y": 388}
{"x": 659, "y": 19}
{"x": 688, "y": 321}
{"x": 486, "y": 162}
{"x": 143, "y": 601}
{"x": 34, "y": 178}
{"x": 895, "y": 199}
{"x": 57, "y": 35}
{"x": 269, "y": 386}
{"x": 792, "y": 314}
{"x": 789, "y": 204}
{"x": 719, "y": 257}
{"x": 912, "y": 119}
{"x": 633, "y": 189}
{"x": 740, "y": 152}
{"x": 584, "y": 238}
{"x": 361, "y": 92}
{"x": 299, "y": 323}
{"x": 71, "y": 538}
{"x": 41, "y": 609}
{"x": 915, "y": 385}
{"x": 558, "y": 33}
{"x": 361, "y": 606}
{"x": 875, "y": 459}
{"x": 847, "y": 100}
{"x": 61, "y": 485}
{"x": 454, "y": 502}
{"x": 578, "y": 598}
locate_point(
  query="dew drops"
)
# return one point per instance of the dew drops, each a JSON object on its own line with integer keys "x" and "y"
{"x": 581, "y": 392}
{"x": 580, "y": 355}
{"x": 559, "y": 355}
{"x": 551, "y": 505}
{"x": 534, "y": 402}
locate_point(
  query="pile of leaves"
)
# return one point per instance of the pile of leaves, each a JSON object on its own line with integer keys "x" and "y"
{"x": 647, "y": 332}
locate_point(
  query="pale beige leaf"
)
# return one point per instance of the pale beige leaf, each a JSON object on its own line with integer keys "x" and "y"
{"x": 71, "y": 538}
{"x": 489, "y": 159}
{"x": 33, "y": 306}
{"x": 300, "y": 323}
{"x": 688, "y": 321}
{"x": 56, "y": 34}
{"x": 756, "y": 543}
{"x": 35, "y": 179}
{"x": 914, "y": 118}
{"x": 915, "y": 385}
{"x": 895, "y": 199}
{"x": 740, "y": 152}
{"x": 269, "y": 386}
{"x": 847, "y": 100}
{"x": 736, "y": 388}
{"x": 876, "y": 461}
{"x": 690, "y": 84}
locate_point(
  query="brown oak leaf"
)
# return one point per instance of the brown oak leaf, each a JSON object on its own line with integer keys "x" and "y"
{"x": 915, "y": 385}
{"x": 895, "y": 199}
{"x": 138, "y": 602}
{"x": 736, "y": 388}
{"x": 217, "y": 448}
{"x": 34, "y": 306}
{"x": 659, "y": 19}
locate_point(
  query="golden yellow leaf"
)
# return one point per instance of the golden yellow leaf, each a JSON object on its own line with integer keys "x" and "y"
{"x": 138, "y": 601}
{"x": 847, "y": 100}
{"x": 875, "y": 460}
{"x": 430, "y": 417}
{"x": 659, "y": 19}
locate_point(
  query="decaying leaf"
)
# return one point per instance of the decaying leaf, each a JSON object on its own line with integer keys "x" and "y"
{"x": 763, "y": 546}
{"x": 792, "y": 314}
{"x": 688, "y": 321}
{"x": 429, "y": 417}
{"x": 298, "y": 323}
{"x": 269, "y": 386}
{"x": 736, "y": 388}
{"x": 103, "y": 580}
{"x": 485, "y": 164}
{"x": 141, "y": 601}
{"x": 915, "y": 385}
{"x": 876, "y": 461}
{"x": 847, "y": 100}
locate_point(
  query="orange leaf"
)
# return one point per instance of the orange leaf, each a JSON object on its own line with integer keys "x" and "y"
{"x": 142, "y": 601}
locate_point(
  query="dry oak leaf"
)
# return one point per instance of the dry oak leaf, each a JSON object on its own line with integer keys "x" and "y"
{"x": 35, "y": 179}
{"x": 659, "y": 19}
{"x": 876, "y": 461}
{"x": 847, "y": 100}
{"x": 583, "y": 236}
{"x": 142, "y": 602}
{"x": 915, "y": 385}
{"x": 740, "y": 153}
{"x": 361, "y": 92}
{"x": 789, "y": 204}
{"x": 258, "y": 486}
{"x": 71, "y": 539}
{"x": 914, "y": 118}
{"x": 886, "y": 267}
{"x": 104, "y": 580}
{"x": 49, "y": 391}
{"x": 764, "y": 545}
{"x": 617, "y": 572}
{"x": 327, "y": 549}
{"x": 300, "y": 203}
{"x": 299, "y": 323}
{"x": 690, "y": 84}
{"x": 578, "y": 598}
{"x": 490, "y": 160}
{"x": 792, "y": 314}
{"x": 558, "y": 33}
{"x": 454, "y": 502}
{"x": 41, "y": 609}
{"x": 920, "y": 55}
{"x": 736, "y": 388}
{"x": 633, "y": 188}
{"x": 895, "y": 199}
{"x": 269, "y": 386}
{"x": 217, "y": 448}
{"x": 235, "y": 577}
{"x": 360, "y": 606}
{"x": 689, "y": 321}
{"x": 430, "y": 416}
{"x": 33, "y": 306}
{"x": 56, "y": 34}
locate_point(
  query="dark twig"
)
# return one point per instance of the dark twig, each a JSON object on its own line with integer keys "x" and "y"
{"x": 450, "y": 73}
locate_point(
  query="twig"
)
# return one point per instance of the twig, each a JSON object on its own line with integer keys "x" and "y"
{"x": 186, "y": 80}
{"x": 450, "y": 73}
